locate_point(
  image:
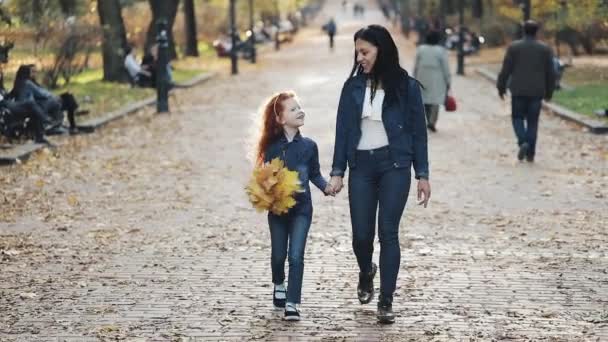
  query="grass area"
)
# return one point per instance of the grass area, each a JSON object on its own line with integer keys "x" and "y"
{"x": 93, "y": 75}
{"x": 101, "y": 97}
{"x": 590, "y": 83}
{"x": 584, "y": 99}
{"x": 586, "y": 74}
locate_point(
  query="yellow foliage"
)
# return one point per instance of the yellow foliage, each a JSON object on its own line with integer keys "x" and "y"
{"x": 272, "y": 187}
{"x": 574, "y": 13}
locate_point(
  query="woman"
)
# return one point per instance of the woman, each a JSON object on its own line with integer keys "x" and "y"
{"x": 433, "y": 71}
{"x": 380, "y": 133}
{"x": 25, "y": 88}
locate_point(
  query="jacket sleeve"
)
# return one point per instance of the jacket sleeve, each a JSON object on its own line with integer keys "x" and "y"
{"x": 549, "y": 75}
{"x": 445, "y": 67}
{"x": 505, "y": 72}
{"x": 416, "y": 63}
{"x": 421, "y": 159}
{"x": 315, "y": 169}
{"x": 37, "y": 91}
{"x": 340, "y": 144}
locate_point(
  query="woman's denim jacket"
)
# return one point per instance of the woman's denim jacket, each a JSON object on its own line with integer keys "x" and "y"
{"x": 31, "y": 91}
{"x": 404, "y": 121}
{"x": 301, "y": 155}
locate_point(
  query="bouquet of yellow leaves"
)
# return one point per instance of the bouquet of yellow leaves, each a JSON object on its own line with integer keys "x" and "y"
{"x": 273, "y": 186}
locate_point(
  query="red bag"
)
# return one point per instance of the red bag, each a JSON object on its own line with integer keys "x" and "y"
{"x": 450, "y": 103}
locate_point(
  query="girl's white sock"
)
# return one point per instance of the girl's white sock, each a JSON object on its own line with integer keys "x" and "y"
{"x": 291, "y": 307}
{"x": 281, "y": 288}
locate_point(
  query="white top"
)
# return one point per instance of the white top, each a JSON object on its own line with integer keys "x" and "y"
{"x": 132, "y": 66}
{"x": 373, "y": 134}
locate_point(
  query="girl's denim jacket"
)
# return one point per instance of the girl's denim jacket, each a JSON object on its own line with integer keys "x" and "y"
{"x": 301, "y": 155}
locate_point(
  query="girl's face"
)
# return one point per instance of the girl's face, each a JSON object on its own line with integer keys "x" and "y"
{"x": 366, "y": 54}
{"x": 292, "y": 115}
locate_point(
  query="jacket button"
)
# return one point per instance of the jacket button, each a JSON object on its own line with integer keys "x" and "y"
{"x": 396, "y": 164}
{"x": 400, "y": 127}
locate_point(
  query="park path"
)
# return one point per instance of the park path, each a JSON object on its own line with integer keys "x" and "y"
{"x": 142, "y": 231}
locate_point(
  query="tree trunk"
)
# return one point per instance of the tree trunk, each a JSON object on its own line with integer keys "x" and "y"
{"x": 68, "y": 7}
{"x": 190, "y": 21}
{"x": 166, "y": 9}
{"x": 114, "y": 40}
{"x": 37, "y": 11}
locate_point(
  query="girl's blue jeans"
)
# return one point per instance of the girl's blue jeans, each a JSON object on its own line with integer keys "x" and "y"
{"x": 288, "y": 235}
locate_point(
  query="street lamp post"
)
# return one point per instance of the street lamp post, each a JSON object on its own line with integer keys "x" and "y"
{"x": 251, "y": 29}
{"x": 162, "y": 82}
{"x": 233, "y": 34}
{"x": 460, "y": 70}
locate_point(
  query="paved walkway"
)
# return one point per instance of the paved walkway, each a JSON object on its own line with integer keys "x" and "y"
{"x": 142, "y": 231}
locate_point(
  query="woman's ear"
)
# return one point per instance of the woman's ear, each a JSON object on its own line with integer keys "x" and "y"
{"x": 279, "y": 119}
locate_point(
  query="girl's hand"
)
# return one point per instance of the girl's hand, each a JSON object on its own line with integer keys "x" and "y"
{"x": 424, "y": 192}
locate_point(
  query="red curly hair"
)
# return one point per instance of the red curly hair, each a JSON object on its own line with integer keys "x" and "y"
{"x": 271, "y": 128}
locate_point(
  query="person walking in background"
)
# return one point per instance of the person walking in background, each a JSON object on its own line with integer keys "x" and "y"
{"x": 432, "y": 69}
{"x": 528, "y": 68}
{"x": 330, "y": 29}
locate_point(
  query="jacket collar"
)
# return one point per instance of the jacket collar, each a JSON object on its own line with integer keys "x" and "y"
{"x": 359, "y": 83}
{"x": 297, "y": 137}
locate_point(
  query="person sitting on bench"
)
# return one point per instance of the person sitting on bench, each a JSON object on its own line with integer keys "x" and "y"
{"x": 26, "y": 113}
{"x": 140, "y": 75}
{"x": 26, "y": 88}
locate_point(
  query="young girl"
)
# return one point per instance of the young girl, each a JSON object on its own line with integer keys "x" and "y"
{"x": 281, "y": 138}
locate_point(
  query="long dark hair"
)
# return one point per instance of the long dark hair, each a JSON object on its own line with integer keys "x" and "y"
{"x": 386, "y": 69}
{"x": 24, "y": 74}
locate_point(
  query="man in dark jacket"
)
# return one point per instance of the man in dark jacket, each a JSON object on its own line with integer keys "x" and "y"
{"x": 528, "y": 68}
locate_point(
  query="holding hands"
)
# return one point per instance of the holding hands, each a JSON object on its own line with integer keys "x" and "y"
{"x": 334, "y": 186}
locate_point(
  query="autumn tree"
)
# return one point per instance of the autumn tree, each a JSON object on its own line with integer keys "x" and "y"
{"x": 190, "y": 23}
{"x": 165, "y": 9}
{"x": 114, "y": 39}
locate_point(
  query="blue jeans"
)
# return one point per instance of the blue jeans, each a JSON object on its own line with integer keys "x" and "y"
{"x": 376, "y": 183}
{"x": 289, "y": 230}
{"x": 525, "y": 112}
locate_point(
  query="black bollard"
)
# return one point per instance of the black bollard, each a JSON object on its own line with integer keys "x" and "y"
{"x": 162, "y": 76}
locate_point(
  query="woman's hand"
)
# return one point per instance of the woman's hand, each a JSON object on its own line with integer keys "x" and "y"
{"x": 336, "y": 184}
{"x": 329, "y": 190}
{"x": 424, "y": 192}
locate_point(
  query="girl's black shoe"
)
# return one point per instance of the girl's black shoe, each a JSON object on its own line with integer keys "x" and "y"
{"x": 365, "y": 289}
{"x": 279, "y": 302}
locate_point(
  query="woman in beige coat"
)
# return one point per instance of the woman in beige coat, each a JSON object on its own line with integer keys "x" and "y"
{"x": 432, "y": 70}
